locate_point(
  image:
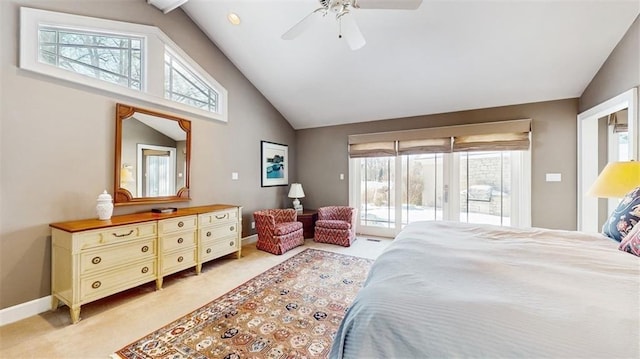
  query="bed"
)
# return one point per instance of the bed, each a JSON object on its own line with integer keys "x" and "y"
{"x": 445, "y": 289}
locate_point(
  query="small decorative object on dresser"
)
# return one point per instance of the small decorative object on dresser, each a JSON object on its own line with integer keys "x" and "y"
{"x": 104, "y": 208}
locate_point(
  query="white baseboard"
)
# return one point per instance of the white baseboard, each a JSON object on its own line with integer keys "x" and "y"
{"x": 250, "y": 239}
{"x": 25, "y": 310}
{"x": 41, "y": 305}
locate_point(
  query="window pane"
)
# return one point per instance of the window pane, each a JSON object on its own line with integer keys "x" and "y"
{"x": 485, "y": 179}
{"x": 48, "y": 54}
{"x": 377, "y": 192}
{"x": 47, "y": 36}
{"x": 623, "y": 146}
{"x": 422, "y": 187}
{"x": 182, "y": 85}
{"x": 105, "y": 57}
{"x": 158, "y": 175}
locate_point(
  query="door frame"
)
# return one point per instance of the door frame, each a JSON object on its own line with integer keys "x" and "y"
{"x": 587, "y": 168}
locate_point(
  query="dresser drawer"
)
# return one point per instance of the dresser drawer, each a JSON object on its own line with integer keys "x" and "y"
{"x": 177, "y": 224}
{"x": 218, "y": 217}
{"x": 177, "y": 241}
{"x": 218, "y": 231}
{"x": 173, "y": 262}
{"x": 104, "y": 258}
{"x": 114, "y": 235}
{"x": 218, "y": 247}
{"x": 104, "y": 284}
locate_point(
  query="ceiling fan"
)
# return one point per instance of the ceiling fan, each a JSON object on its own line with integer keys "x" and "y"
{"x": 347, "y": 26}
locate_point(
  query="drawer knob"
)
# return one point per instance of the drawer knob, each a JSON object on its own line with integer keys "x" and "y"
{"x": 180, "y": 240}
{"x": 208, "y": 250}
{"x": 208, "y": 234}
{"x": 144, "y": 269}
{"x": 180, "y": 224}
{"x": 145, "y": 249}
{"x": 180, "y": 259}
{"x": 231, "y": 243}
{"x": 232, "y": 228}
{"x": 123, "y": 234}
{"x": 96, "y": 260}
{"x": 96, "y": 284}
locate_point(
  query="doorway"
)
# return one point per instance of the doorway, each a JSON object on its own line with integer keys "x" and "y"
{"x": 600, "y": 141}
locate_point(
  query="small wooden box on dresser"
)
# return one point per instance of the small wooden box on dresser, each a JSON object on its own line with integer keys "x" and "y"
{"x": 92, "y": 259}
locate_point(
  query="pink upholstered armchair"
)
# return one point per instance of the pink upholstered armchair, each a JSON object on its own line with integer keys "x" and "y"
{"x": 278, "y": 230}
{"x": 336, "y": 225}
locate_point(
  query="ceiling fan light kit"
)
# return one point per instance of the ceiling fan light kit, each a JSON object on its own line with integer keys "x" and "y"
{"x": 347, "y": 26}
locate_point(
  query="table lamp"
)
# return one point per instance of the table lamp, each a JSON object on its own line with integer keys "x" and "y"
{"x": 616, "y": 180}
{"x": 296, "y": 192}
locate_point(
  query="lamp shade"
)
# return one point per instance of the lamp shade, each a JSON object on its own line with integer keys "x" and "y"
{"x": 616, "y": 180}
{"x": 296, "y": 191}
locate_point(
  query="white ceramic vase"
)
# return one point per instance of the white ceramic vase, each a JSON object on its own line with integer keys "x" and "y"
{"x": 104, "y": 208}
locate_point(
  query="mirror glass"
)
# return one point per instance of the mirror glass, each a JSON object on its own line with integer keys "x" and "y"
{"x": 152, "y": 157}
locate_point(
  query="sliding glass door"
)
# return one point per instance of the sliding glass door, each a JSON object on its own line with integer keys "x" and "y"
{"x": 476, "y": 187}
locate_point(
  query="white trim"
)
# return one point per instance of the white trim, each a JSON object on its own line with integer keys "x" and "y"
{"x": 153, "y": 53}
{"x": 627, "y": 99}
{"x": 25, "y": 310}
{"x": 250, "y": 239}
{"x": 521, "y": 200}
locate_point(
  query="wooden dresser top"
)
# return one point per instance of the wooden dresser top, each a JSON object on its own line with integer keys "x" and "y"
{"x": 94, "y": 223}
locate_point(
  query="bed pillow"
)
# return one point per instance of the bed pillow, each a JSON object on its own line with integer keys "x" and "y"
{"x": 624, "y": 217}
{"x": 631, "y": 242}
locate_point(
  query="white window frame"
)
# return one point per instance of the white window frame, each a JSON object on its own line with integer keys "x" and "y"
{"x": 520, "y": 196}
{"x": 155, "y": 41}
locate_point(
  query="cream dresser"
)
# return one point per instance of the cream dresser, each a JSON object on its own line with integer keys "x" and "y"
{"x": 92, "y": 259}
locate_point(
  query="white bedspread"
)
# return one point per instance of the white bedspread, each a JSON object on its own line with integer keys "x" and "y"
{"x": 445, "y": 289}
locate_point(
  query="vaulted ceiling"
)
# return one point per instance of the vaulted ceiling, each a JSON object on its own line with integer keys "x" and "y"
{"x": 445, "y": 56}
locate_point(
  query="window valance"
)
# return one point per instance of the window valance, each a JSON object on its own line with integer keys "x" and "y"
{"x": 487, "y": 136}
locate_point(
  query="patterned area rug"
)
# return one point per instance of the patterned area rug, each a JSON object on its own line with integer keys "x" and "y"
{"x": 290, "y": 311}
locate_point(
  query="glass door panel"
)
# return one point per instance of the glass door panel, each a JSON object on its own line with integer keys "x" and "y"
{"x": 377, "y": 192}
{"x": 485, "y": 184}
{"x": 422, "y": 188}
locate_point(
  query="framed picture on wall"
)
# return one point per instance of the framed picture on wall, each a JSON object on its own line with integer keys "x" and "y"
{"x": 274, "y": 159}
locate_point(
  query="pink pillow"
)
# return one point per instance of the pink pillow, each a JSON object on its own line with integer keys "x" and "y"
{"x": 631, "y": 242}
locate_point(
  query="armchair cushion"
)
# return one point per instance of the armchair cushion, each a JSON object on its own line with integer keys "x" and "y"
{"x": 333, "y": 224}
{"x": 286, "y": 227}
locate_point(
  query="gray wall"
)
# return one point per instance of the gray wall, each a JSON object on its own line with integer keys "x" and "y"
{"x": 322, "y": 155}
{"x": 619, "y": 73}
{"x": 57, "y": 144}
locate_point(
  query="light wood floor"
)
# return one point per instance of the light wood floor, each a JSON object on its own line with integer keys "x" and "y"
{"x": 111, "y": 323}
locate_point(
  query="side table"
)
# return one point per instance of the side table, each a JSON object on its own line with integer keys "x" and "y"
{"x": 308, "y": 218}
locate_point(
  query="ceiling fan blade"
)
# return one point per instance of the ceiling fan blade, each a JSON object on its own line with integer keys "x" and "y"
{"x": 351, "y": 32}
{"x": 387, "y": 4}
{"x": 304, "y": 24}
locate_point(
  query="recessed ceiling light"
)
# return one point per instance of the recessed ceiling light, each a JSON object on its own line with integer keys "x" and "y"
{"x": 233, "y": 18}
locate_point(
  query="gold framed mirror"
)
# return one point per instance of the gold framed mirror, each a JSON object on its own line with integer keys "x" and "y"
{"x": 152, "y": 157}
